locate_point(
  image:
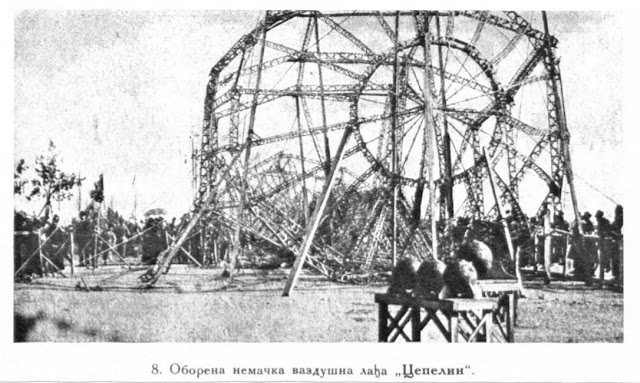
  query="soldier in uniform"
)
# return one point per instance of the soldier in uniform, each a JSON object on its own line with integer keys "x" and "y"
{"x": 122, "y": 234}
{"x": 110, "y": 239}
{"x": 83, "y": 236}
{"x": 616, "y": 245}
{"x": 154, "y": 241}
{"x": 54, "y": 237}
{"x": 603, "y": 230}
{"x": 560, "y": 238}
{"x": 582, "y": 265}
{"x": 590, "y": 249}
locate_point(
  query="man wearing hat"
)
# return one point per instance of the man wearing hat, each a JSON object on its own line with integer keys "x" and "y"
{"x": 560, "y": 238}
{"x": 585, "y": 223}
{"x": 603, "y": 230}
{"x": 616, "y": 246}
{"x": 83, "y": 236}
{"x": 590, "y": 249}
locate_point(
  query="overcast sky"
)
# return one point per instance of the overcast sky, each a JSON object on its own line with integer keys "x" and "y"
{"x": 122, "y": 92}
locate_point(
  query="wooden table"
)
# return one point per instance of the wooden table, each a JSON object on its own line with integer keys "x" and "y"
{"x": 468, "y": 320}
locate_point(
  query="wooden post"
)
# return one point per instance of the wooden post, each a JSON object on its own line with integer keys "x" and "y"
{"x": 201, "y": 240}
{"x": 73, "y": 250}
{"x": 621, "y": 263}
{"x": 488, "y": 325}
{"x": 536, "y": 249}
{"x": 504, "y": 222}
{"x": 601, "y": 257}
{"x": 215, "y": 249}
{"x": 453, "y": 327}
{"x": 383, "y": 308}
{"x": 42, "y": 266}
{"x": 96, "y": 233}
{"x": 511, "y": 317}
{"x": 518, "y": 273}
{"x": 415, "y": 324}
{"x": 565, "y": 266}
{"x": 314, "y": 222}
{"x": 547, "y": 246}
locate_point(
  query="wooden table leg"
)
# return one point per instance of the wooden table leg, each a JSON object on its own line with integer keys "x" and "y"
{"x": 415, "y": 324}
{"x": 453, "y": 327}
{"x": 383, "y": 310}
{"x": 488, "y": 325}
{"x": 511, "y": 317}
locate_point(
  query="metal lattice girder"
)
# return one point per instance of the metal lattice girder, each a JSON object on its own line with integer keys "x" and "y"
{"x": 507, "y": 196}
{"x": 311, "y": 131}
{"x": 511, "y": 159}
{"x": 462, "y": 150}
{"x": 351, "y": 70}
{"x": 384, "y": 139}
{"x": 346, "y": 33}
{"x": 369, "y": 224}
{"x": 332, "y": 58}
{"x": 471, "y": 51}
{"x": 478, "y": 31}
{"x": 374, "y": 240}
{"x": 385, "y": 26}
{"x": 421, "y": 240}
{"x": 507, "y": 49}
{"x": 287, "y": 237}
{"x": 297, "y": 55}
{"x": 514, "y": 23}
{"x": 476, "y": 177}
{"x": 555, "y": 143}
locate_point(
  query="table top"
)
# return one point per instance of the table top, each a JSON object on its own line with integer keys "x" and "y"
{"x": 455, "y": 304}
{"x": 499, "y": 285}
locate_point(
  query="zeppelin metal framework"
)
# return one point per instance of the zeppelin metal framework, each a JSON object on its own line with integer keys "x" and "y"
{"x": 339, "y": 137}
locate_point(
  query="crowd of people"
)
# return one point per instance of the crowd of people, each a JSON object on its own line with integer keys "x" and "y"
{"x": 42, "y": 245}
{"x": 580, "y": 246}
{"x": 585, "y": 246}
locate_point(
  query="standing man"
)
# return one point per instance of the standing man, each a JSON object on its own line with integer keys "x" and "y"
{"x": 617, "y": 245}
{"x": 110, "y": 238}
{"x": 83, "y": 235}
{"x": 603, "y": 229}
{"x": 560, "y": 226}
{"x": 582, "y": 264}
{"x": 122, "y": 234}
{"x": 54, "y": 238}
{"x": 590, "y": 239}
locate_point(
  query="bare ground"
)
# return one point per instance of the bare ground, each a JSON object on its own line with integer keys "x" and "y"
{"x": 197, "y": 305}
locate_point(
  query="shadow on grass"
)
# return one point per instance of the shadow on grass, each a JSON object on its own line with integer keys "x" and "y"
{"x": 24, "y": 325}
{"x": 567, "y": 286}
{"x": 42, "y": 286}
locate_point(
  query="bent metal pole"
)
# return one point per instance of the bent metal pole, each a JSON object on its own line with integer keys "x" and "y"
{"x": 314, "y": 222}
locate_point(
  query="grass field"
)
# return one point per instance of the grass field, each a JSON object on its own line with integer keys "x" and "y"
{"x": 196, "y": 305}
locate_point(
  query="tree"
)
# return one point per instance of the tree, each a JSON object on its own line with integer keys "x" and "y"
{"x": 97, "y": 194}
{"x": 50, "y": 182}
